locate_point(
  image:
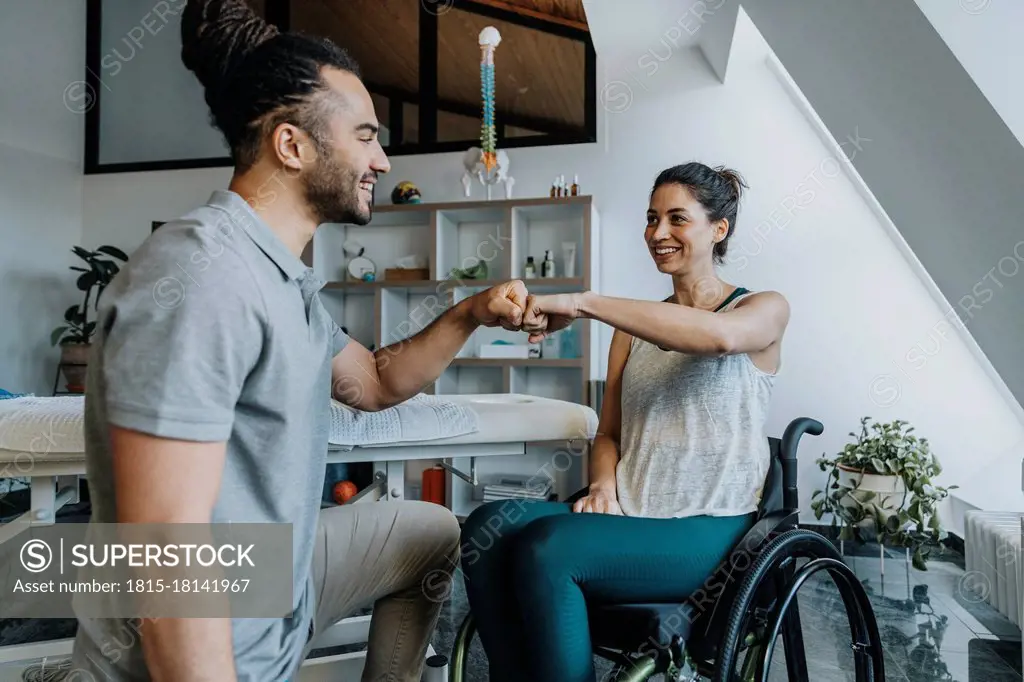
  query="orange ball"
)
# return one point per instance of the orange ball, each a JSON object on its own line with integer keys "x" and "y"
{"x": 344, "y": 491}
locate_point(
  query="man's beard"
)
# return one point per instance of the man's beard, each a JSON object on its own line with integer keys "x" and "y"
{"x": 332, "y": 192}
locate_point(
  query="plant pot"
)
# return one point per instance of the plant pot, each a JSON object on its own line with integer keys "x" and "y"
{"x": 888, "y": 490}
{"x": 74, "y": 358}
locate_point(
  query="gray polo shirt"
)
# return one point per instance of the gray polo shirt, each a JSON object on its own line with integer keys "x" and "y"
{"x": 214, "y": 331}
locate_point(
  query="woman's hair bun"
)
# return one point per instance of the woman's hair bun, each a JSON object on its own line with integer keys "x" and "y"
{"x": 217, "y": 35}
{"x": 734, "y": 179}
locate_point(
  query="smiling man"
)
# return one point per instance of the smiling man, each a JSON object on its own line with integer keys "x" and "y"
{"x": 215, "y": 361}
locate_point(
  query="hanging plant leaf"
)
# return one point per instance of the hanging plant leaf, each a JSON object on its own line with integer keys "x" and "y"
{"x": 113, "y": 251}
{"x": 86, "y": 281}
{"x": 56, "y": 334}
{"x": 82, "y": 253}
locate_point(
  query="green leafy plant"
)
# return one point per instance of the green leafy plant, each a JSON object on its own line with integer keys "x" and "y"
{"x": 102, "y": 267}
{"x": 906, "y": 518}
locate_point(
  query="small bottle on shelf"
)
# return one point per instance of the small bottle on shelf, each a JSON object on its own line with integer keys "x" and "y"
{"x": 554, "y": 188}
{"x": 575, "y": 185}
{"x": 547, "y": 268}
{"x": 529, "y": 270}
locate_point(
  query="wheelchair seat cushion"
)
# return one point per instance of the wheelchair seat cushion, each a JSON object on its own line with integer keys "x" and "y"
{"x": 630, "y": 626}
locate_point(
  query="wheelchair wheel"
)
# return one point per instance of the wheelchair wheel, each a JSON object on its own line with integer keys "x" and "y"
{"x": 460, "y": 649}
{"x": 763, "y": 609}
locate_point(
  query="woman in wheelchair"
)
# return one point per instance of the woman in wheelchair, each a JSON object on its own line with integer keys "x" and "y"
{"x": 678, "y": 462}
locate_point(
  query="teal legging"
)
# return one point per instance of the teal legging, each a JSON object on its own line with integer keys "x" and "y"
{"x": 530, "y": 566}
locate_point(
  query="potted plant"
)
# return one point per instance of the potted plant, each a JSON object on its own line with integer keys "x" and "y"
{"x": 883, "y": 482}
{"x": 75, "y": 335}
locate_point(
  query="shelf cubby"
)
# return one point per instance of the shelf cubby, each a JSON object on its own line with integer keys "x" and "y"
{"x": 537, "y": 229}
{"x": 354, "y": 313}
{"x": 388, "y": 237}
{"x": 550, "y": 381}
{"x": 468, "y": 236}
{"x": 464, "y": 380}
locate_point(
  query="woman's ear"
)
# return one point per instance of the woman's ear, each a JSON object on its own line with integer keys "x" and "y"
{"x": 721, "y": 229}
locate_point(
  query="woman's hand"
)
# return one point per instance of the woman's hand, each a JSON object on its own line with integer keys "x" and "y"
{"x": 598, "y": 502}
{"x": 547, "y": 314}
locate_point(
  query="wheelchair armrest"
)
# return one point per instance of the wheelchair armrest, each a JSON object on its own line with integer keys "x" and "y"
{"x": 578, "y": 495}
{"x": 714, "y": 599}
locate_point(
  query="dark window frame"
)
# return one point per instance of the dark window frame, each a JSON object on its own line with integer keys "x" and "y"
{"x": 279, "y": 11}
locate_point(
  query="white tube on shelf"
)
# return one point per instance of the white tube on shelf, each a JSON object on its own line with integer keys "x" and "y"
{"x": 569, "y": 259}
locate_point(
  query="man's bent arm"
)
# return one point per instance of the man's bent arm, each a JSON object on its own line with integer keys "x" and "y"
{"x": 395, "y": 373}
{"x": 158, "y": 480}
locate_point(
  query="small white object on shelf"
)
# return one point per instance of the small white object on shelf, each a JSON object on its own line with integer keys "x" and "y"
{"x": 362, "y": 269}
{"x": 504, "y": 350}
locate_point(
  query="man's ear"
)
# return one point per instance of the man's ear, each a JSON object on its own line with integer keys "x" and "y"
{"x": 292, "y": 148}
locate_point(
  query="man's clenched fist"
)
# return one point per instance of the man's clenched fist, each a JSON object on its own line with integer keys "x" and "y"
{"x": 503, "y": 304}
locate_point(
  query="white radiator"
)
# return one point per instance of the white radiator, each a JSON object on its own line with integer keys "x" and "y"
{"x": 993, "y": 561}
{"x": 595, "y": 394}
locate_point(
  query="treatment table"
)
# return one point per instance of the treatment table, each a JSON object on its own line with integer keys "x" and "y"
{"x": 509, "y": 424}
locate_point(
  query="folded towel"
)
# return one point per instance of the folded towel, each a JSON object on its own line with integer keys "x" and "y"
{"x": 422, "y": 417}
{"x": 45, "y": 425}
{"x": 42, "y": 426}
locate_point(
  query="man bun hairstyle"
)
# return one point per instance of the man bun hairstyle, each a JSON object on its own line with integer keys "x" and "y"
{"x": 718, "y": 189}
{"x": 255, "y": 77}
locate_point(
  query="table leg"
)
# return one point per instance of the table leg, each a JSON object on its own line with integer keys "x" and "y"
{"x": 43, "y": 499}
{"x": 396, "y": 479}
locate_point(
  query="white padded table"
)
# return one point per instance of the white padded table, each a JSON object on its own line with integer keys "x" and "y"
{"x": 50, "y": 456}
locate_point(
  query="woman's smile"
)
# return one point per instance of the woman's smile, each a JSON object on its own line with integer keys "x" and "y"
{"x": 664, "y": 252}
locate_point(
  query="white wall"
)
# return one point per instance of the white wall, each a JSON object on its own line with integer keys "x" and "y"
{"x": 804, "y": 230}
{"x": 42, "y": 63}
{"x": 984, "y": 35}
{"x": 944, "y": 165}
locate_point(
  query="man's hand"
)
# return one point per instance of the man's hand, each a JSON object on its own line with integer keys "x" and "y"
{"x": 503, "y": 304}
{"x": 598, "y": 502}
{"x": 548, "y": 314}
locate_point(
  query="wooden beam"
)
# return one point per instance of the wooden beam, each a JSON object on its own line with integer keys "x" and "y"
{"x": 278, "y": 13}
{"x": 428, "y": 75}
{"x": 474, "y": 110}
{"x": 526, "y": 12}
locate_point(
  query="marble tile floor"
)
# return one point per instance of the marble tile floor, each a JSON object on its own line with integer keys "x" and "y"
{"x": 933, "y": 625}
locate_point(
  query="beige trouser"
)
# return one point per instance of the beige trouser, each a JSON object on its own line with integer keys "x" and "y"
{"x": 396, "y": 556}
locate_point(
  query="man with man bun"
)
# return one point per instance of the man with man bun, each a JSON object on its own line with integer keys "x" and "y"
{"x": 215, "y": 362}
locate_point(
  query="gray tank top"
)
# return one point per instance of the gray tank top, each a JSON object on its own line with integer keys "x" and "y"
{"x": 692, "y": 438}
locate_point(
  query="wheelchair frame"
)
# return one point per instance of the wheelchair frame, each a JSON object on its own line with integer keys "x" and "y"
{"x": 759, "y": 605}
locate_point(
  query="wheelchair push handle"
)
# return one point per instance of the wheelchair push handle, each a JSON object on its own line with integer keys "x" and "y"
{"x": 788, "y": 448}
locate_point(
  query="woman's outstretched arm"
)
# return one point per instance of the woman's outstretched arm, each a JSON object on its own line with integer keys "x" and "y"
{"x": 754, "y": 324}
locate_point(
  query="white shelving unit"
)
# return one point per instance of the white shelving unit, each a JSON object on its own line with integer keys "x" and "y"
{"x": 501, "y": 233}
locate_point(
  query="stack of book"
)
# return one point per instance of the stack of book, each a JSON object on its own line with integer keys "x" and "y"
{"x": 517, "y": 488}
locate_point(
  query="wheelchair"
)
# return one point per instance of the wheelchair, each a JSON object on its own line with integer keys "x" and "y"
{"x": 727, "y": 630}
